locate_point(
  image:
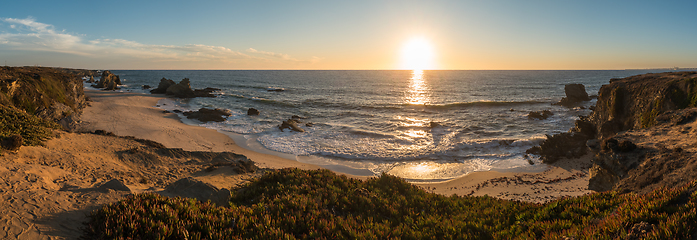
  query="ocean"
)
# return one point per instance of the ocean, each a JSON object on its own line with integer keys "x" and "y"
{"x": 418, "y": 125}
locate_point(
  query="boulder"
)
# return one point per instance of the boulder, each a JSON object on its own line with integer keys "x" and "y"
{"x": 253, "y": 112}
{"x": 575, "y": 94}
{"x": 146, "y": 87}
{"x": 208, "y": 115}
{"x": 291, "y": 124}
{"x": 108, "y": 81}
{"x": 540, "y": 115}
{"x": 162, "y": 87}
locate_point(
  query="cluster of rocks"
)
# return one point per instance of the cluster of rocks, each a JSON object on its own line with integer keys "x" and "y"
{"x": 642, "y": 108}
{"x": 570, "y": 144}
{"x": 108, "y": 81}
{"x": 181, "y": 89}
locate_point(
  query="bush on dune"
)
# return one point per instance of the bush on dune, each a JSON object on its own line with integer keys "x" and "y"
{"x": 34, "y": 130}
{"x": 318, "y": 204}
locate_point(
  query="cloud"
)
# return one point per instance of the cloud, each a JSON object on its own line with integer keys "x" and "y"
{"x": 272, "y": 54}
{"x": 30, "y": 35}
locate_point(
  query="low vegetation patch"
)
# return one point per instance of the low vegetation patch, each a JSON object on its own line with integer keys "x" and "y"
{"x": 33, "y": 130}
{"x": 318, "y": 204}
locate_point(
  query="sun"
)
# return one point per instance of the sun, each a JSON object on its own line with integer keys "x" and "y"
{"x": 417, "y": 54}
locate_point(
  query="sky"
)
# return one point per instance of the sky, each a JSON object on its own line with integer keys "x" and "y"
{"x": 454, "y": 35}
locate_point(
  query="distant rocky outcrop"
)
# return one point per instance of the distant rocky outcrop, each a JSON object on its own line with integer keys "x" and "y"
{"x": 575, "y": 94}
{"x": 182, "y": 89}
{"x": 108, "y": 81}
{"x": 208, "y": 115}
{"x": 162, "y": 87}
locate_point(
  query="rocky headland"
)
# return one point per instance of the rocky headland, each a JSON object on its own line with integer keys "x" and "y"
{"x": 641, "y": 133}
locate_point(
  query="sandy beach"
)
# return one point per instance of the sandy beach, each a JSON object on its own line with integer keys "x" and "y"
{"x": 47, "y": 191}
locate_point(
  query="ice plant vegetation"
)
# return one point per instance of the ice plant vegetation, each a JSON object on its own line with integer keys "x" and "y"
{"x": 318, "y": 204}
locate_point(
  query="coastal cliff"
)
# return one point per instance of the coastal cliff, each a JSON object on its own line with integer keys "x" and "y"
{"x": 53, "y": 94}
{"x": 645, "y": 126}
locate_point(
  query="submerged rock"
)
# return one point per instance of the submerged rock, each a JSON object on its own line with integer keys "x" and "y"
{"x": 291, "y": 124}
{"x": 540, "y": 115}
{"x": 253, "y": 112}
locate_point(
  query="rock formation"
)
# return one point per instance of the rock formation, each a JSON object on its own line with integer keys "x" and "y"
{"x": 635, "y": 102}
{"x": 575, "y": 94}
{"x": 182, "y": 89}
{"x": 291, "y": 124}
{"x": 108, "y": 81}
{"x": 641, "y": 129}
{"x": 208, "y": 115}
{"x": 162, "y": 87}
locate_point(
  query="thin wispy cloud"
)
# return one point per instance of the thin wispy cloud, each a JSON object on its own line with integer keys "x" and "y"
{"x": 31, "y": 35}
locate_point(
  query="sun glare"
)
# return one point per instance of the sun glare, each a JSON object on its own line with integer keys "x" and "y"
{"x": 417, "y": 54}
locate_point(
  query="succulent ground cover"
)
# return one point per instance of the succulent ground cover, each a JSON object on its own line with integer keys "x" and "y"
{"x": 318, "y": 204}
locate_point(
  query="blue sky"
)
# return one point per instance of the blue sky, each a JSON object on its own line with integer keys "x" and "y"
{"x": 348, "y": 34}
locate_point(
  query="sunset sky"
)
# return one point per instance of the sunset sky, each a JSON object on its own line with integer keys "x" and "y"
{"x": 349, "y": 34}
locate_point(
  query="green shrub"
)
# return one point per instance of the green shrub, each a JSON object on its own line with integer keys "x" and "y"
{"x": 33, "y": 130}
{"x": 297, "y": 204}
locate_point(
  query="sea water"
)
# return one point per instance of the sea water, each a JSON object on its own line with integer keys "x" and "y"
{"x": 419, "y": 125}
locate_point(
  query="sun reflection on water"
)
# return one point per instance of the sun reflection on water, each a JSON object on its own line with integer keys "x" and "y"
{"x": 418, "y": 93}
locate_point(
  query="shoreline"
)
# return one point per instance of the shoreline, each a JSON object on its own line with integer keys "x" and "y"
{"x": 51, "y": 189}
{"x": 149, "y": 122}
{"x": 567, "y": 177}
